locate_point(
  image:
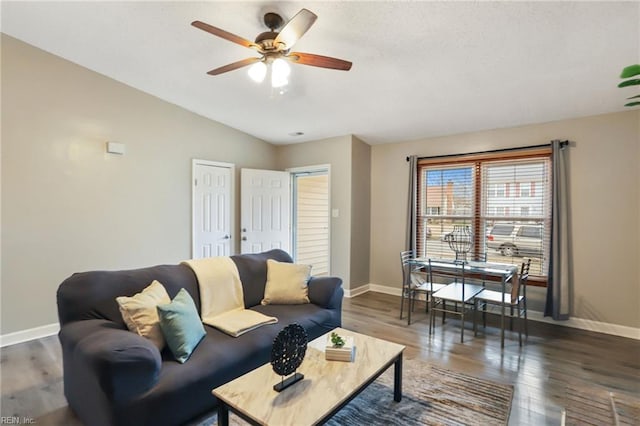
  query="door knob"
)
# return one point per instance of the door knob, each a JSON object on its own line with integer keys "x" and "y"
{"x": 226, "y": 237}
{"x": 244, "y": 229}
{"x": 244, "y": 238}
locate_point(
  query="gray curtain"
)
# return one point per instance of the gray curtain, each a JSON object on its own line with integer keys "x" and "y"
{"x": 412, "y": 206}
{"x": 558, "y": 305}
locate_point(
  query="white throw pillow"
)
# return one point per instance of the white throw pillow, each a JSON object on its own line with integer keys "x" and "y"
{"x": 140, "y": 312}
{"x": 286, "y": 283}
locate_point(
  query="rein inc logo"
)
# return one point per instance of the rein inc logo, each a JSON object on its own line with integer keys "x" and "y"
{"x": 16, "y": 420}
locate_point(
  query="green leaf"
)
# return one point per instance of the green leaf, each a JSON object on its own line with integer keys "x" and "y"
{"x": 633, "y": 97}
{"x": 632, "y": 82}
{"x": 630, "y": 71}
{"x": 630, "y": 104}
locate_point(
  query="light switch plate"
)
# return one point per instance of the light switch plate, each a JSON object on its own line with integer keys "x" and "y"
{"x": 115, "y": 148}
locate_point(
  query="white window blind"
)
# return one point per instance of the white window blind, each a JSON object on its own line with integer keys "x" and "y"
{"x": 517, "y": 222}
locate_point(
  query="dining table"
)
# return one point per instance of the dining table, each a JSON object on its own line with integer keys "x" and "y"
{"x": 474, "y": 270}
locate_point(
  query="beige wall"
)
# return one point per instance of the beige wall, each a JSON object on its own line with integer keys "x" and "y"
{"x": 604, "y": 196}
{"x": 68, "y": 206}
{"x": 336, "y": 152}
{"x": 360, "y": 212}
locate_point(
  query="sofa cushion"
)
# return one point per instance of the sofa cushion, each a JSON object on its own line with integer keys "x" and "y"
{"x": 181, "y": 326}
{"x": 140, "y": 312}
{"x": 286, "y": 283}
{"x": 315, "y": 320}
{"x": 253, "y": 273}
{"x": 92, "y": 295}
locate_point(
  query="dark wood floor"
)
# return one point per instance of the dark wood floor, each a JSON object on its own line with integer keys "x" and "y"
{"x": 32, "y": 372}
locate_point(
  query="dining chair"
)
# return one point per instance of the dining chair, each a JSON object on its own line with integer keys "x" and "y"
{"x": 459, "y": 292}
{"x": 415, "y": 280}
{"x": 514, "y": 298}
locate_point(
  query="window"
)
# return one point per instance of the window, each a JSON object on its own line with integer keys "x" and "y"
{"x": 504, "y": 198}
{"x": 446, "y": 198}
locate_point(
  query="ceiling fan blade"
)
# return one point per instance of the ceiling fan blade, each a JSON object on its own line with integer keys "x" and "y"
{"x": 319, "y": 61}
{"x": 225, "y": 34}
{"x": 234, "y": 66}
{"x": 295, "y": 28}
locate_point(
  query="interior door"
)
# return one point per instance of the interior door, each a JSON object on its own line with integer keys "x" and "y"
{"x": 266, "y": 210}
{"x": 212, "y": 208}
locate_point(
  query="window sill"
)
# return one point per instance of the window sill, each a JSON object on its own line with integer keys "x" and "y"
{"x": 537, "y": 281}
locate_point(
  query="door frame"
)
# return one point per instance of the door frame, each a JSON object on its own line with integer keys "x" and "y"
{"x": 311, "y": 169}
{"x": 232, "y": 202}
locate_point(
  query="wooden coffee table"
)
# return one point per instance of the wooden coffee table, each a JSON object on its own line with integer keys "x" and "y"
{"x": 326, "y": 388}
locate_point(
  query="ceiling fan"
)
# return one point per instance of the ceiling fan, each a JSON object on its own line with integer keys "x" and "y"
{"x": 275, "y": 48}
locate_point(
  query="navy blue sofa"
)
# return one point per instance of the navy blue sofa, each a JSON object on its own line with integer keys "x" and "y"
{"x": 115, "y": 377}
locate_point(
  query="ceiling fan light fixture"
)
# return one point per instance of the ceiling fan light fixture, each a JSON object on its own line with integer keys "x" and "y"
{"x": 257, "y": 72}
{"x": 280, "y": 71}
{"x": 275, "y": 48}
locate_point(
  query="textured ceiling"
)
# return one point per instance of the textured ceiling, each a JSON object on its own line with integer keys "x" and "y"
{"x": 420, "y": 69}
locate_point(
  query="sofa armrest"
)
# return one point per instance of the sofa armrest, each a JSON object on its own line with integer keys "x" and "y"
{"x": 120, "y": 362}
{"x": 326, "y": 292}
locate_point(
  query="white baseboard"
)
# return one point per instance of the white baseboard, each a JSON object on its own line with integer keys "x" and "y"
{"x": 590, "y": 325}
{"x": 356, "y": 291}
{"x": 29, "y": 334}
{"x": 580, "y": 323}
{"x": 394, "y": 291}
{"x": 372, "y": 287}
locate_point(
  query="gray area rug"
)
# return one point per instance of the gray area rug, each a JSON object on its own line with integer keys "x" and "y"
{"x": 589, "y": 405}
{"x": 431, "y": 396}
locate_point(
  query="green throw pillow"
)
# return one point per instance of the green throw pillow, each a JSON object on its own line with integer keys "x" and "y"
{"x": 181, "y": 325}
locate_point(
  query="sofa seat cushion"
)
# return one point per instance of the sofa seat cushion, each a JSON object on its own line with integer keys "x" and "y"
{"x": 315, "y": 320}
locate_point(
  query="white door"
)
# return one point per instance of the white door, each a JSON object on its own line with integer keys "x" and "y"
{"x": 266, "y": 210}
{"x": 212, "y": 208}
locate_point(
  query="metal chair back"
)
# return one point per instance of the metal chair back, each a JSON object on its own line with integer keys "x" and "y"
{"x": 519, "y": 287}
{"x": 405, "y": 258}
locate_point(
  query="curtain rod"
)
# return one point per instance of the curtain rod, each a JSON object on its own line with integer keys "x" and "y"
{"x": 494, "y": 151}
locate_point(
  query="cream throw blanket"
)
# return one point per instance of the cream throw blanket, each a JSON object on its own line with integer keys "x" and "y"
{"x": 222, "y": 298}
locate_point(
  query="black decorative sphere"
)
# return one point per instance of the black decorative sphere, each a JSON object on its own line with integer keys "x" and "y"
{"x": 289, "y": 348}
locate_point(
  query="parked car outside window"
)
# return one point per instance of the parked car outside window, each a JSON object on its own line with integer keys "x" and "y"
{"x": 512, "y": 239}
